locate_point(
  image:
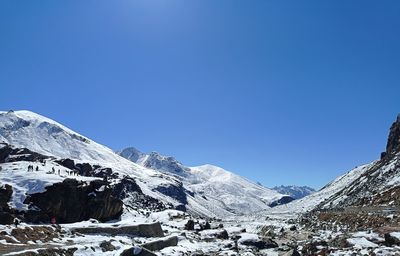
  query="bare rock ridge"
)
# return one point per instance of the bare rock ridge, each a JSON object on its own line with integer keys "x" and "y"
{"x": 378, "y": 183}
{"x": 393, "y": 142}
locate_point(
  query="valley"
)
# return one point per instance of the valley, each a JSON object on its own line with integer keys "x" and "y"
{"x": 64, "y": 194}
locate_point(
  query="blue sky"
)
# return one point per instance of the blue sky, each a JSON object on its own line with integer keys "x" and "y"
{"x": 281, "y": 92}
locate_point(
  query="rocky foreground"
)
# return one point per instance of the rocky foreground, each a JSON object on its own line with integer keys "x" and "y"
{"x": 172, "y": 232}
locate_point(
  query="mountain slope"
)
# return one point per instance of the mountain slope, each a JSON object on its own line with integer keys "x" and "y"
{"x": 159, "y": 177}
{"x": 296, "y": 192}
{"x": 373, "y": 184}
{"x": 212, "y": 185}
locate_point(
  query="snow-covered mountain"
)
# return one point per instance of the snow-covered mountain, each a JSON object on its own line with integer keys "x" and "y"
{"x": 155, "y": 161}
{"x": 216, "y": 186}
{"x": 296, "y": 192}
{"x": 207, "y": 190}
{"x": 373, "y": 184}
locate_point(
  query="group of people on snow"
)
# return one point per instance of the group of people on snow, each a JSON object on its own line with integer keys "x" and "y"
{"x": 53, "y": 171}
{"x": 30, "y": 168}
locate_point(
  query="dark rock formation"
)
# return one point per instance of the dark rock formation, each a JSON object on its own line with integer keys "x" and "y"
{"x": 142, "y": 230}
{"x": 106, "y": 246}
{"x": 282, "y": 200}
{"x": 85, "y": 169}
{"x": 260, "y": 244}
{"x": 393, "y": 143}
{"x": 126, "y": 187}
{"x": 161, "y": 244}
{"x": 6, "y": 214}
{"x": 73, "y": 201}
{"x": 11, "y": 154}
{"x": 222, "y": 235}
{"x": 177, "y": 192}
{"x": 68, "y": 163}
{"x": 189, "y": 225}
{"x": 391, "y": 240}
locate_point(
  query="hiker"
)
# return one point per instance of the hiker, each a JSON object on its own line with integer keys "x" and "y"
{"x": 37, "y": 168}
{"x": 53, "y": 221}
{"x": 58, "y": 172}
{"x": 53, "y": 170}
{"x": 16, "y": 222}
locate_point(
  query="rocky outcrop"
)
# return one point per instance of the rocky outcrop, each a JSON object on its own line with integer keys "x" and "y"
{"x": 6, "y": 214}
{"x": 177, "y": 192}
{"x": 282, "y": 200}
{"x": 142, "y": 230}
{"x": 86, "y": 169}
{"x": 126, "y": 187}
{"x": 391, "y": 240}
{"x": 393, "y": 143}
{"x": 73, "y": 201}
{"x": 12, "y": 154}
{"x": 161, "y": 244}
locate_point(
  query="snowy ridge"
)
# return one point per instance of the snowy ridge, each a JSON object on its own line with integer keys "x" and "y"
{"x": 45, "y": 136}
{"x": 296, "y": 192}
{"x": 214, "y": 187}
{"x": 310, "y": 202}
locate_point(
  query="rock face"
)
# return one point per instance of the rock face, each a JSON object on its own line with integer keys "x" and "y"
{"x": 12, "y": 154}
{"x": 283, "y": 200}
{"x": 393, "y": 143}
{"x": 73, "y": 201}
{"x": 6, "y": 215}
{"x": 178, "y": 192}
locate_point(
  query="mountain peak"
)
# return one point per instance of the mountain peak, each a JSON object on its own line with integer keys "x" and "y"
{"x": 154, "y": 160}
{"x": 294, "y": 191}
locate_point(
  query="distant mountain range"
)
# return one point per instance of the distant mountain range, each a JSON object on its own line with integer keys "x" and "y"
{"x": 296, "y": 192}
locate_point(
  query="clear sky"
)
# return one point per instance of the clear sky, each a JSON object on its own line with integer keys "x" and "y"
{"x": 281, "y": 92}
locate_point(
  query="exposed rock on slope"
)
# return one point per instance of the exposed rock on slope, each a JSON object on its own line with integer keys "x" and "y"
{"x": 374, "y": 185}
{"x": 73, "y": 201}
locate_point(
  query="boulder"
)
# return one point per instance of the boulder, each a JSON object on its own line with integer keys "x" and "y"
{"x": 391, "y": 239}
{"x": 137, "y": 251}
{"x": 142, "y": 230}
{"x": 161, "y": 244}
{"x": 106, "y": 246}
{"x": 189, "y": 225}
{"x": 254, "y": 241}
{"x": 85, "y": 169}
{"x": 293, "y": 252}
{"x": 222, "y": 235}
{"x": 73, "y": 201}
{"x": 68, "y": 163}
